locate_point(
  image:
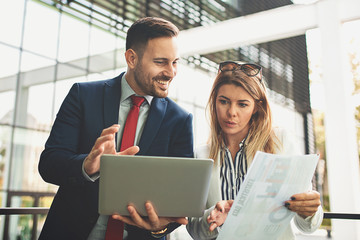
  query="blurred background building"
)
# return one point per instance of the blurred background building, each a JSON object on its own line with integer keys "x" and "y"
{"x": 309, "y": 51}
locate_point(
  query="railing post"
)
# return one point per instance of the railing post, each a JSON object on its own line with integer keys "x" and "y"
{"x": 35, "y": 218}
{"x": 7, "y": 217}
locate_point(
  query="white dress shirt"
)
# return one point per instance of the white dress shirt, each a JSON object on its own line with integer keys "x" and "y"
{"x": 99, "y": 230}
{"x": 198, "y": 228}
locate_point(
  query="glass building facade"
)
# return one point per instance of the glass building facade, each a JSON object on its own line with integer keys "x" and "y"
{"x": 46, "y": 46}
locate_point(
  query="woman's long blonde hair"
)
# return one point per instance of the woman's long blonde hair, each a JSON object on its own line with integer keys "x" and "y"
{"x": 261, "y": 136}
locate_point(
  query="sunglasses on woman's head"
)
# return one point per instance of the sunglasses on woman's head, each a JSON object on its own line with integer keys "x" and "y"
{"x": 249, "y": 69}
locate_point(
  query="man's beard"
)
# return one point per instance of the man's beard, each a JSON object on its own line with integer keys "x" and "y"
{"x": 149, "y": 88}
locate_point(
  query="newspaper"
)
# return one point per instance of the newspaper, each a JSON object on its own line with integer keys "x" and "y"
{"x": 258, "y": 210}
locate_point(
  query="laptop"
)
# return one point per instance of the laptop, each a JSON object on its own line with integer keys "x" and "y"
{"x": 177, "y": 187}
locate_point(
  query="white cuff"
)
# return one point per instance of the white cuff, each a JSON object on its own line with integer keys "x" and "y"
{"x": 91, "y": 178}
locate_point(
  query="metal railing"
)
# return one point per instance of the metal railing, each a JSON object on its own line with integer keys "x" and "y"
{"x": 35, "y": 210}
{"x": 332, "y": 215}
{"x": 43, "y": 210}
{"x": 23, "y": 210}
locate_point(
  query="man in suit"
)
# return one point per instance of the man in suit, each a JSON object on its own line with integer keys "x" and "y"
{"x": 90, "y": 123}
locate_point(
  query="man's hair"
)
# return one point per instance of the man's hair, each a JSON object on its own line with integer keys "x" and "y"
{"x": 146, "y": 29}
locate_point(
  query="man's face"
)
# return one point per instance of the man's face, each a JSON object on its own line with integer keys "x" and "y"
{"x": 157, "y": 67}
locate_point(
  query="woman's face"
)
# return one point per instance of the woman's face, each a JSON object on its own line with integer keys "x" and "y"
{"x": 234, "y": 108}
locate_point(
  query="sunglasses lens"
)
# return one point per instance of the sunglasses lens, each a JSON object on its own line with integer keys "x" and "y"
{"x": 250, "y": 69}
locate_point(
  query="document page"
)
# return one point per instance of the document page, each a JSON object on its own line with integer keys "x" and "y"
{"x": 258, "y": 210}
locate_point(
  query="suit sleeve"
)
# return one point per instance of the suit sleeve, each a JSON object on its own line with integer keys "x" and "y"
{"x": 198, "y": 228}
{"x": 60, "y": 163}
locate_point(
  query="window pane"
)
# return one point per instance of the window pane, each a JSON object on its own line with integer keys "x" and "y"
{"x": 41, "y": 28}
{"x": 5, "y": 138}
{"x": 7, "y": 110}
{"x": 186, "y": 77}
{"x": 20, "y": 225}
{"x": 28, "y": 145}
{"x": 120, "y": 58}
{"x": 11, "y": 19}
{"x": 33, "y": 62}
{"x": 35, "y": 71}
{"x": 40, "y": 103}
{"x": 5, "y": 145}
{"x": 106, "y": 58}
{"x": 74, "y": 41}
{"x": 102, "y": 62}
{"x": 201, "y": 127}
{"x": 44, "y": 202}
{"x": 101, "y": 41}
{"x": 9, "y": 60}
{"x": 67, "y": 75}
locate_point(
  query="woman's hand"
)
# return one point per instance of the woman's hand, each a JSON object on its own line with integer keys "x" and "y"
{"x": 218, "y": 216}
{"x": 304, "y": 204}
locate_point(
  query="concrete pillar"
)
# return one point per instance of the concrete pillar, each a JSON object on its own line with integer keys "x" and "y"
{"x": 341, "y": 144}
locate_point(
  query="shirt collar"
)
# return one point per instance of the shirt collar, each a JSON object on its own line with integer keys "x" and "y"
{"x": 241, "y": 144}
{"x": 127, "y": 91}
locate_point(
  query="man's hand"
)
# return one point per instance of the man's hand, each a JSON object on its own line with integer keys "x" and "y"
{"x": 304, "y": 204}
{"x": 218, "y": 216}
{"x": 105, "y": 144}
{"x": 152, "y": 223}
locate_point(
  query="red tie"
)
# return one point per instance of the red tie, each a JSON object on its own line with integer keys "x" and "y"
{"x": 115, "y": 228}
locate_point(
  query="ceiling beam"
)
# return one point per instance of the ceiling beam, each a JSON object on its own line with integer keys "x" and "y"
{"x": 270, "y": 25}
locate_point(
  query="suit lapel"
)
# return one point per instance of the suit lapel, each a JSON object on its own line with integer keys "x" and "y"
{"x": 153, "y": 123}
{"x": 112, "y": 91}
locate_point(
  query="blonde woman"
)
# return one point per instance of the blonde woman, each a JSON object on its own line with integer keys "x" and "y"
{"x": 240, "y": 121}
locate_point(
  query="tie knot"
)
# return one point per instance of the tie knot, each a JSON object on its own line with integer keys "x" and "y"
{"x": 137, "y": 101}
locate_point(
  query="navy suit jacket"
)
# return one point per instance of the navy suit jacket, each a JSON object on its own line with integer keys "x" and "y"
{"x": 88, "y": 109}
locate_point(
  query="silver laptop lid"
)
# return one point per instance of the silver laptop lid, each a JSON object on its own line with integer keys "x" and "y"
{"x": 177, "y": 187}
